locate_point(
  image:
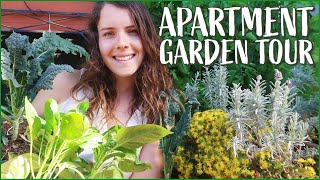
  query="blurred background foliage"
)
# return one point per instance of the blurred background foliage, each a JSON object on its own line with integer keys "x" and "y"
{"x": 238, "y": 73}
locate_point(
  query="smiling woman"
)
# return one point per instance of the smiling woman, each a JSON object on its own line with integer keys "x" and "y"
{"x": 124, "y": 79}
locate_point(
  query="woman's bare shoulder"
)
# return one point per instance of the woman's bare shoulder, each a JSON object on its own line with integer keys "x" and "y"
{"x": 66, "y": 77}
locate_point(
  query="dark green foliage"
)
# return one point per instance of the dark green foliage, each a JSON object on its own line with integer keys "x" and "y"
{"x": 170, "y": 143}
{"x": 182, "y": 73}
{"x": 23, "y": 64}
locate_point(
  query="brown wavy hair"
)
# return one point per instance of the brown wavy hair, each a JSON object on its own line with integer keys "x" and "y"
{"x": 152, "y": 78}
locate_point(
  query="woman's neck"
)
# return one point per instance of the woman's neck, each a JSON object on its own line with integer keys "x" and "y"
{"x": 125, "y": 88}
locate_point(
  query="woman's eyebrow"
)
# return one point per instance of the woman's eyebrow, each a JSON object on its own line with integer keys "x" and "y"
{"x": 106, "y": 28}
{"x": 131, "y": 26}
{"x": 112, "y": 28}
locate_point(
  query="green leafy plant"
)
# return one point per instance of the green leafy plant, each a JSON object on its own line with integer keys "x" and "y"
{"x": 238, "y": 73}
{"x": 180, "y": 128}
{"x": 28, "y": 67}
{"x": 59, "y": 137}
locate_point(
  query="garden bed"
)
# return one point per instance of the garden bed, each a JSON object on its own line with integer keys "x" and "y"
{"x": 17, "y": 147}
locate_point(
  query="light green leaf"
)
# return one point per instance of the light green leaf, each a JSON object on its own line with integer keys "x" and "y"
{"x": 67, "y": 165}
{"x": 83, "y": 107}
{"x": 51, "y": 115}
{"x": 128, "y": 165}
{"x": 136, "y": 136}
{"x": 90, "y": 139}
{"x": 37, "y": 126}
{"x": 72, "y": 126}
{"x": 19, "y": 168}
{"x": 5, "y": 167}
{"x": 110, "y": 174}
{"x": 31, "y": 113}
{"x": 109, "y": 140}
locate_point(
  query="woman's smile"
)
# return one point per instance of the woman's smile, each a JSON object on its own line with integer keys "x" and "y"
{"x": 125, "y": 58}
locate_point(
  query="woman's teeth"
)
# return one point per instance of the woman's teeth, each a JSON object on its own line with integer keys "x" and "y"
{"x": 123, "y": 58}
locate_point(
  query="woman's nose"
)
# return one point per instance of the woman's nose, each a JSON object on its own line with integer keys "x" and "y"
{"x": 123, "y": 41}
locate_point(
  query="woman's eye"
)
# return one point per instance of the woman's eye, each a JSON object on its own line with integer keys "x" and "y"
{"x": 133, "y": 32}
{"x": 108, "y": 34}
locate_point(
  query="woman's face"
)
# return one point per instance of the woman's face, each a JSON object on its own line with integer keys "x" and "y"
{"x": 119, "y": 41}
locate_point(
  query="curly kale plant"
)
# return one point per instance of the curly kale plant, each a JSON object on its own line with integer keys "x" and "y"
{"x": 28, "y": 67}
{"x": 171, "y": 142}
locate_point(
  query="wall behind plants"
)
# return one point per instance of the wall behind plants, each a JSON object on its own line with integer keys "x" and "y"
{"x": 238, "y": 73}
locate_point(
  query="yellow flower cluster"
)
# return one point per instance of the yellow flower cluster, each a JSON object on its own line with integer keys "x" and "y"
{"x": 263, "y": 157}
{"x": 305, "y": 167}
{"x": 205, "y": 153}
{"x": 279, "y": 168}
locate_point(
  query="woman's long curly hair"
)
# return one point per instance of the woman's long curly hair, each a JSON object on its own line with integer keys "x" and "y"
{"x": 151, "y": 79}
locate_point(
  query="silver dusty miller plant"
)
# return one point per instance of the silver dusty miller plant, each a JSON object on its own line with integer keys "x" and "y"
{"x": 216, "y": 89}
{"x": 267, "y": 121}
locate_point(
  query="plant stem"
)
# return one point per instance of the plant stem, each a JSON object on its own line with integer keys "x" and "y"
{"x": 55, "y": 160}
{"x": 98, "y": 165}
{"x": 14, "y": 113}
{"x": 15, "y": 128}
{"x": 46, "y": 157}
{"x": 30, "y": 157}
{"x": 58, "y": 157}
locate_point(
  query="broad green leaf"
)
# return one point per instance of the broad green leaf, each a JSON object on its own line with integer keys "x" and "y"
{"x": 129, "y": 153}
{"x": 72, "y": 126}
{"x": 109, "y": 174}
{"x": 5, "y": 167}
{"x": 128, "y": 165}
{"x": 31, "y": 113}
{"x": 83, "y": 107}
{"x": 109, "y": 140}
{"x": 37, "y": 126}
{"x": 67, "y": 165}
{"x": 136, "y": 136}
{"x": 51, "y": 115}
{"x": 19, "y": 168}
{"x": 7, "y": 72}
{"x": 90, "y": 139}
{"x": 100, "y": 152}
{"x": 66, "y": 174}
